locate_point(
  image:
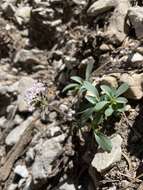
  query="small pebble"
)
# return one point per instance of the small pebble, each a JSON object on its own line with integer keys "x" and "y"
{"x": 21, "y": 170}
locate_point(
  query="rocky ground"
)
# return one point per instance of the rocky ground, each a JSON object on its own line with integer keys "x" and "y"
{"x": 49, "y": 41}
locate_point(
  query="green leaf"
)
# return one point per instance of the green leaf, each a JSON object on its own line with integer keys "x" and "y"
{"x": 92, "y": 89}
{"x": 103, "y": 141}
{"x": 123, "y": 88}
{"x": 121, "y": 100}
{"x": 98, "y": 119}
{"x": 86, "y": 114}
{"x": 100, "y": 105}
{"x": 77, "y": 79}
{"x": 109, "y": 111}
{"x": 70, "y": 86}
{"x": 88, "y": 71}
{"x": 91, "y": 99}
{"x": 121, "y": 109}
{"x": 107, "y": 90}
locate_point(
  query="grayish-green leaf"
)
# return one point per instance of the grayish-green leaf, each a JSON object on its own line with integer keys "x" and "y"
{"x": 88, "y": 71}
{"x": 86, "y": 114}
{"x": 121, "y": 100}
{"x": 106, "y": 89}
{"x": 91, "y": 99}
{"x": 103, "y": 141}
{"x": 92, "y": 89}
{"x": 100, "y": 105}
{"x": 70, "y": 86}
{"x": 77, "y": 79}
{"x": 109, "y": 111}
{"x": 121, "y": 109}
{"x": 123, "y": 88}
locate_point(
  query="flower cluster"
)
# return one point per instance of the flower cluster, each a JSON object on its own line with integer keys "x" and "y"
{"x": 36, "y": 96}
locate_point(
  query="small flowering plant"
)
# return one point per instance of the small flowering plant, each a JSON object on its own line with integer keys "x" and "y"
{"x": 36, "y": 96}
{"x": 102, "y": 102}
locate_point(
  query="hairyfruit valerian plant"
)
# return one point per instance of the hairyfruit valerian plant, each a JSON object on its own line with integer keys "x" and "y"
{"x": 36, "y": 96}
{"x": 103, "y": 103}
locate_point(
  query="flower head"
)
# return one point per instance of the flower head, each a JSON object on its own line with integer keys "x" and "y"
{"x": 36, "y": 96}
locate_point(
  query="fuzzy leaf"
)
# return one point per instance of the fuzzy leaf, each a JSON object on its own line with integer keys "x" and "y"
{"x": 92, "y": 89}
{"x": 77, "y": 79}
{"x": 70, "y": 86}
{"x": 123, "y": 88}
{"x": 88, "y": 71}
{"x": 121, "y": 100}
{"x": 103, "y": 141}
{"x": 106, "y": 89}
{"x": 109, "y": 111}
{"x": 100, "y": 105}
{"x": 91, "y": 99}
{"x": 121, "y": 109}
{"x": 86, "y": 114}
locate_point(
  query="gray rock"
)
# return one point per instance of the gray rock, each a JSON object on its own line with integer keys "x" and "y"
{"x": 104, "y": 160}
{"x": 67, "y": 186}
{"x": 21, "y": 170}
{"x": 18, "y": 120}
{"x": 117, "y": 28}
{"x": 135, "y": 82}
{"x": 100, "y": 7}
{"x": 5, "y": 99}
{"x": 24, "y": 84}
{"x": 15, "y": 134}
{"x": 30, "y": 155}
{"x": 8, "y": 8}
{"x": 52, "y": 116}
{"x": 135, "y": 15}
{"x": 13, "y": 186}
{"x": 54, "y": 131}
{"x": 109, "y": 80}
{"x": 137, "y": 57}
{"x": 46, "y": 152}
{"x": 26, "y": 58}
{"x": 80, "y": 2}
{"x": 26, "y": 185}
{"x": 22, "y": 14}
{"x": 112, "y": 188}
{"x": 2, "y": 122}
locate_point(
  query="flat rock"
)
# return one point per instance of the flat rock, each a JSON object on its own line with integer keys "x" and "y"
{"x": 104, "y": 160}
{"x": 67, "y": 186}
{"x": 24, "y": 84}
{"x": 137, "y": 57}
{"x": 117, "y": 28}
{"x": 46, "y": 153}
{"x": 100, "y": 7}
{"x": 135, "y": 82}
{"x": 15, "y": 134}
{"x": 109, "y": 80}
{"x": 135, "y": 15}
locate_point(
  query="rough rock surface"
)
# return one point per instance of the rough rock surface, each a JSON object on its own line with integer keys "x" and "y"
{"x": 24, "y": 83}
{"x": 135, "y": 15}
{"x": 117, "y": 27}
{"x": 46, "y": 153}
{"x": 100, "y": 7}
{"x": 135, "y": 82}
{"x": 15, "y": 134}
{"x": 104, "y": 160}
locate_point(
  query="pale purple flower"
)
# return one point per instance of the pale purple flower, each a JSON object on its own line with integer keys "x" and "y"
{"x": 35, "y": 95}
